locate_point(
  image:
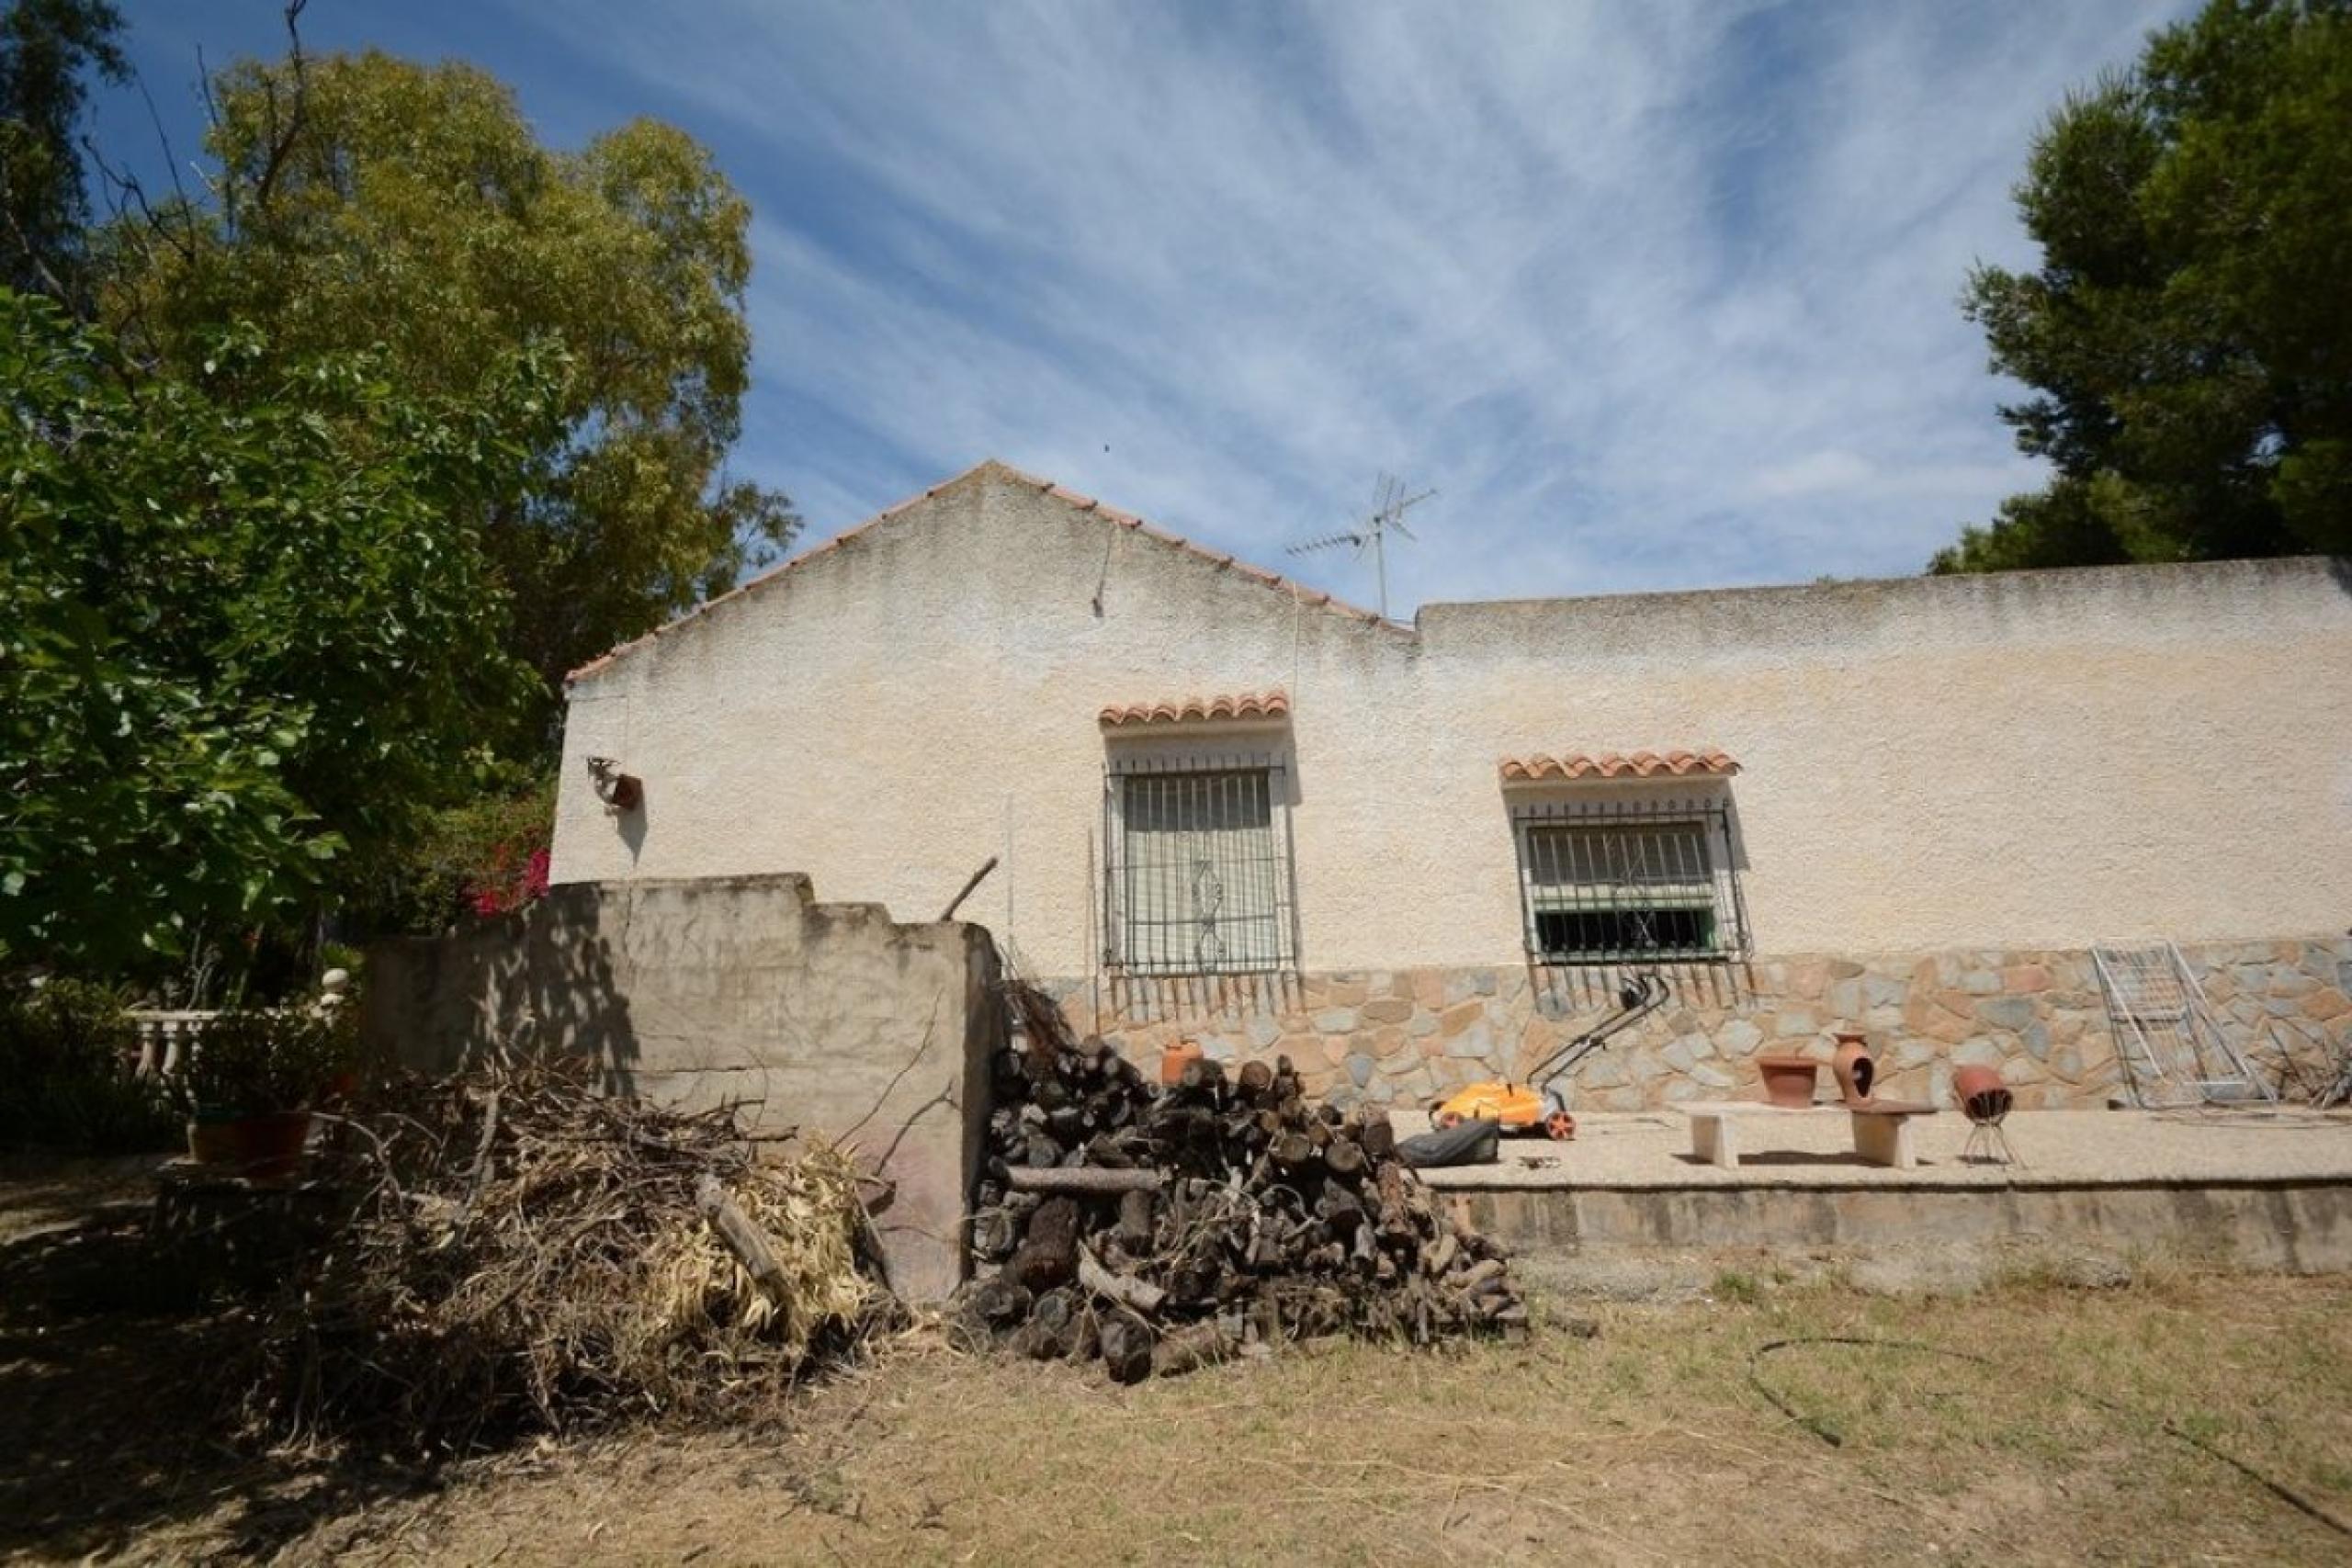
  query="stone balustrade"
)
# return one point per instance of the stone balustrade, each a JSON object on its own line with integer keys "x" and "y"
{"x": 168, "y": 1037}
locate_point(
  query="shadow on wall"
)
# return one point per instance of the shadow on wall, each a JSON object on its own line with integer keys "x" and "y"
{"x": 1150, "y": 999}
{"x": 632, "y": 824}
{"x": 1565, "y": 990}
{"x": 540, "y": 979}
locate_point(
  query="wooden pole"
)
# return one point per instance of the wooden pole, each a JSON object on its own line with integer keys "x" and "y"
{"x": 958, "y": 902}
{"x": 1090, "y": 1180}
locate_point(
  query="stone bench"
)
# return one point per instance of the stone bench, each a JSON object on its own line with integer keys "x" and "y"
{"x": 1881, "y": 1133}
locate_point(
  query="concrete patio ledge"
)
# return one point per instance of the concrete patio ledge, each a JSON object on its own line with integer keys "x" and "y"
{"x": 2232, "y": 1189}
{"x": 1650, "y": 1151}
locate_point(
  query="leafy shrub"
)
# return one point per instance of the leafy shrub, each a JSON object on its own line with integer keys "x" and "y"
{"x": 485, "y": 857}
{"x": 67, "y": 1053}
{"x": 252, "y": 1062}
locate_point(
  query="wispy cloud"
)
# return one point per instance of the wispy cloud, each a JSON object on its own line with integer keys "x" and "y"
{"x": 1656, "y": 294}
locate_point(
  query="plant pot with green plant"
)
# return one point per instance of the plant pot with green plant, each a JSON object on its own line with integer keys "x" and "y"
{"x": 255, "y": 1078}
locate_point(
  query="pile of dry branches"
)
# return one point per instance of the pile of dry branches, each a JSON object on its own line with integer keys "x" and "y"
{"x": 528, "y": 1253}
{"x": 1160, "y": 1228}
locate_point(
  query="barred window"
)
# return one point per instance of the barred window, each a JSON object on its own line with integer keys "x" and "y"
{"x": 1618, "y": 882}
{"x": 1198, "y": 874}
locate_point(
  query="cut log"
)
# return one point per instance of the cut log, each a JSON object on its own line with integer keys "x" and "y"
{"x": 999, "y": 1301}
{"x": 1344, "y": 1156}
{"x": 1477, "y": 1274}
{"x": 1291, "y": 1150}
{"x": 1202, "y": 1345}
{"x": 1126, "y": 1348}
{"x": 1201, "y": 1073}
{"x": 1055, "y": 1310}
{"x": 994, "y": 1234}
{"x": 1093, "y": 1180}
{"x": 1085, "y": 1335}
{"x": 743, "y": 1238}
{"x": 1123, "y": 1289}
{"x": 1134, "y": 1220}
{"x": 1048, "y": 1256}
{"x": 1035, "y": 1341}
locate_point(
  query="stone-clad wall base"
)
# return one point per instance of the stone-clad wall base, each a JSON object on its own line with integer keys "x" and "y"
{"x": 1408, "y": 1036}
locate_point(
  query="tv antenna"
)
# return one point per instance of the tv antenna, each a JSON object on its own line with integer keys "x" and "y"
{"x": 1389, "y": 503}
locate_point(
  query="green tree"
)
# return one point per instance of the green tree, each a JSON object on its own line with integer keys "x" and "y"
{"x": 363, "y": 202}
{"x": 47, "y": 49}
{"x": 249, "y": 627}
{"x": 2188, "y": 333}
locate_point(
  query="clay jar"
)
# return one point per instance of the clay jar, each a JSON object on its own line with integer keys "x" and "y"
{"x": 1788, "y": 1080}
{"x": 1854, "y": 1067}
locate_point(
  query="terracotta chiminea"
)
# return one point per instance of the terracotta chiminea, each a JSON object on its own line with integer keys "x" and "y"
{"x": 1854, "y": 1067}
{"x": 1985, "y": 1098}
{"x": 1982, "y": 1093}
{"x": 1788, "y": 1080}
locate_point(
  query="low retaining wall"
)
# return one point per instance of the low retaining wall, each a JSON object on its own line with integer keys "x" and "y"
{"x": 2303, "y": 1227}
{"x": 824, "y": 1018}
{"x": 1407, "y": 1037}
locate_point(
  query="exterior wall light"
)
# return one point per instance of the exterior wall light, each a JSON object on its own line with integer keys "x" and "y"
{"x": 620, "y": 792}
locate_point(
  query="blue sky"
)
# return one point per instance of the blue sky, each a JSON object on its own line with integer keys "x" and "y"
{"x": 1656, "y": 294}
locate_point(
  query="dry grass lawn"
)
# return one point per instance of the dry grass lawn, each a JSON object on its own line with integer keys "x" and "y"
{"x": 2041, "y": 1438}
{"x": 1645, "y": 1444}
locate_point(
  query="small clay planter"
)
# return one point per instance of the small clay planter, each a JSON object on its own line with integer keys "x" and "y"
{"x": 265, "y": 1147}
{"x": 212, "y": 1138}
{"x": 1175, "y": 1059}
{"x": 1788, "y": 1082}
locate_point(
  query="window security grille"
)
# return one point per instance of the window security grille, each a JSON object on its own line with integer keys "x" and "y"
{"x": 1629, "y": 881}
{"x": 1198, "y": 877}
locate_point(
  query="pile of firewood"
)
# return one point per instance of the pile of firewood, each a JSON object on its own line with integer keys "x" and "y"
{"x": 1161, "y": 1228}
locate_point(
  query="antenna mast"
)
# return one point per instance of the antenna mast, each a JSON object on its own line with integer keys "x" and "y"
{"x": 1388, "y": 506}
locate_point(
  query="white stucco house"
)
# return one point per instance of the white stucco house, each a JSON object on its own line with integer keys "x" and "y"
{"x": 1230, "y": 808}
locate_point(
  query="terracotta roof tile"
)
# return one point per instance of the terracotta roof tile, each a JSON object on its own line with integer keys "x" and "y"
{"x": 1707, "y": 760}
{"x": 1274, "y": 704}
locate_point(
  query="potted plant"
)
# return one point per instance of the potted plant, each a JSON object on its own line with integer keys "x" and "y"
{"x": 251, "y": 1083}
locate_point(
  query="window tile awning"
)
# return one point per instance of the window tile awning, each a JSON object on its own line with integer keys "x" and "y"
{"x": 1240, "y": 705}
{"x": 1576, "y": 766}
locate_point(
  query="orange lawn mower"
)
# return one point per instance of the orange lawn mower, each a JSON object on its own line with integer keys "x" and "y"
{"x": 1542, "y": 1102}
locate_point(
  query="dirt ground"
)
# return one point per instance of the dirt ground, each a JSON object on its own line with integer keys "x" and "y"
{"x": 2031, "y": 1421}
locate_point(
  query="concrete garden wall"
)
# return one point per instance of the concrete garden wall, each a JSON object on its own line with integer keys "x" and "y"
{"x": 825, "y": 1017}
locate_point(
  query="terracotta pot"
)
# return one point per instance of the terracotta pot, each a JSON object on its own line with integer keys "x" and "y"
{"x": 267, "y": 1147}
{"x": 1788, "y": 1080}
{"x": 211, "y": 1141}
{"x": 1854, "y": 1068}
{"x": 1981, "y": 1094}
{"x": 1173, "y": 1061}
